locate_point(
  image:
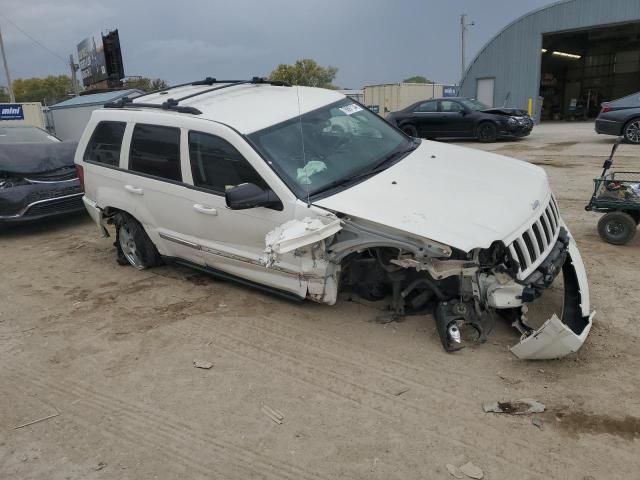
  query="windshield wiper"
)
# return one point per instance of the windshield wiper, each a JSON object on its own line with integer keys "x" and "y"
{"x": 377, "y": 168}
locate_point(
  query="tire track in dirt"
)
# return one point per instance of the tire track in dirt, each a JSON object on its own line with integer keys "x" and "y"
{"x": 389, "y": 404}
{"x": 385, "y": 404}
{"x": 144, "y": 422}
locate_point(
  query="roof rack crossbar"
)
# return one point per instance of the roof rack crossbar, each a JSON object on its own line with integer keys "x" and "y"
{"x": 168, "y": 105}
{"x": 212, "y": 80}
{"x": 172, "y": 104}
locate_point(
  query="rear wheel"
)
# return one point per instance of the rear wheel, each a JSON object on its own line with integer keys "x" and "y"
{"x": 410, "y": 130}
{"x": 487, "y": 132}
{"x": 133, "y": 244}
{"x": 632, "y": 131}
{"x": 617, "y": 228}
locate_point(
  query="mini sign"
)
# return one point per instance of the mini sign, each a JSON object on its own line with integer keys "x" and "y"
{"x": 449, "y": 91}
{"x": 11, "y": 111}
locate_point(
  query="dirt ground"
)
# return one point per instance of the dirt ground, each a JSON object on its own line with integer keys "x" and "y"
{"x": 109, "y": 350}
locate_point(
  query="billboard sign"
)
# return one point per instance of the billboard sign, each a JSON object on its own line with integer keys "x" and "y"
{"x": 11, "y": 111}
{"x": 449, "y": 91}
{"x": 93, "y": 65}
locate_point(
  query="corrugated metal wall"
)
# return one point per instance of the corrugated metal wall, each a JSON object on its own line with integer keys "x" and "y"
{"x": 513, "y": 56}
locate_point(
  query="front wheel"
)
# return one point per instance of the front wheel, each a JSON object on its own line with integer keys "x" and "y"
{"x": 617, "y": 228}
{"x": 410, "y": 130}
{"x": 632, "y": 131}
{"x": 133, "y": 244}
{"x": 487, "y": 132}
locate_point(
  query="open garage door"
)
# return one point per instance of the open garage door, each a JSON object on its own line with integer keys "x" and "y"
{"x": 581, "y": 69}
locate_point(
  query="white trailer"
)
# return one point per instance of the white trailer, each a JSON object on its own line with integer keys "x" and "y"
{"x": 67, "y": 119}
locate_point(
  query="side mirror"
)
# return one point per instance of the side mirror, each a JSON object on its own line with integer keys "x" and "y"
{"x": 250, "y": 195}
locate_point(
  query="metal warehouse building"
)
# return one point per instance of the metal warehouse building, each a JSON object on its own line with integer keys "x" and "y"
{"x": 563, "y": 60}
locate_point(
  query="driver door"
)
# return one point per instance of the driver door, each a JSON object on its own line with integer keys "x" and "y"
{"x": 233, "y": 241}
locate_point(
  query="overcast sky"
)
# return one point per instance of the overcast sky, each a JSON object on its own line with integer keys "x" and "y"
{"x": 369, "y": 41}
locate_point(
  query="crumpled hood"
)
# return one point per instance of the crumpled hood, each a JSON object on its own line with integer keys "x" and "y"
{"x": 516, "y": 112}
{"x": 462, "y": 197}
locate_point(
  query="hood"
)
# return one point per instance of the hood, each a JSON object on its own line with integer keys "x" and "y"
{"x": 25, "y": 158}
{"x": 511, "y": 112}
{"x": 458, "y": 196}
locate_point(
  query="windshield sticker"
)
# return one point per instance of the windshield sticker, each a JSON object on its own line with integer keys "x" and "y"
{"x": 351, "y": 109}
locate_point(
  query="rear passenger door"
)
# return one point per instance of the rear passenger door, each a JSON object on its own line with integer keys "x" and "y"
{"x": 425, "y": 116}
{"x": 154, "y": 188}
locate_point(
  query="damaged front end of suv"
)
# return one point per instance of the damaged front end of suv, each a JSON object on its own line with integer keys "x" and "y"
{"x": 536, "y": 281}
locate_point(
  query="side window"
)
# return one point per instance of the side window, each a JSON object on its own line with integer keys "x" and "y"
{"x": 427, "y": 107}
{"x": 450, "y": 106}
{"x": 105, "y": 143}
{"x": 216, "y": 164}
{"x": 155, "y": 151}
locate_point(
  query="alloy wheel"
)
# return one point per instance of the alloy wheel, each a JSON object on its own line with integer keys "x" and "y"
{"x": 632, "y": 132}
{"x": 129, "y": 248}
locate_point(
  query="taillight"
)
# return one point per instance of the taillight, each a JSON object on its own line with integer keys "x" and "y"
{"x": 605, "y": 108}
{"x": 80, "y": 173}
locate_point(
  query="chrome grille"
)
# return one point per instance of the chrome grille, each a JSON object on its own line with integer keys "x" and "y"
{"x": 535, "y": 243}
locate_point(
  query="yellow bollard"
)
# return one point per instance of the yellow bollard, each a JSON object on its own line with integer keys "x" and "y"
{"x": 530, "y": 107}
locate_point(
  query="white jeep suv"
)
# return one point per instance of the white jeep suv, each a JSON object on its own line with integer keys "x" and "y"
{"x": 304, "y": 192}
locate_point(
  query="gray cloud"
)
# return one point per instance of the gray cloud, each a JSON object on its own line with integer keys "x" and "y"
{"x": 369, "y": 41}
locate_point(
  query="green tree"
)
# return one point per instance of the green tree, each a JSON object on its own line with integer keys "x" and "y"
{"x": 146, "y": 84}
{"x": 305, "y": 72}
{"x": 417, "y": 79}
{"x": 49, "y": 90}
{"x": 4, "y": 96}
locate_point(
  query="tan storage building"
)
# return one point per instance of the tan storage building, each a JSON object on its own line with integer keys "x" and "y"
{"x": 31, "y": 111}
{"x": 391, "y": 97}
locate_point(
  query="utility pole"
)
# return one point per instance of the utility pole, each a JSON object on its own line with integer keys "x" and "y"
{"x": 74, "y": 79}
{"x": 6, "y": 70}
{"x": 463, "y": 29}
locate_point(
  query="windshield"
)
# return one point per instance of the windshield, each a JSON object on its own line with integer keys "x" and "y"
{"x": 341, "y": 141}
{"x": 473, "y": 104}
{"x": 25, "y": 135}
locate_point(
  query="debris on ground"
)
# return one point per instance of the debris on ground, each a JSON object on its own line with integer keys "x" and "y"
{"x": 454, "y": 471}
{"x": 273, "y": 414}
{"x": 200, "y": 364}
{"x": 37, "y": 421}
{"x": 510, "y": 381}
{"x": 524, "y": 406}
{"x": 100, "y": 466}
{"x": 472, "y": 471}
{"x": 538, "y": 422}
{"x": 401, "y": 391}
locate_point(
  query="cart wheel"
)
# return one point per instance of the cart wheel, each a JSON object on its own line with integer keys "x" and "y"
{"x": 617, "y": 228}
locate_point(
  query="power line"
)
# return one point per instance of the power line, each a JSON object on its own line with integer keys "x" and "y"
{"x": 34, "y": 40}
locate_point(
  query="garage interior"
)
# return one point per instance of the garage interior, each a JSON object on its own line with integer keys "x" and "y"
{"x": 582, "y": 69}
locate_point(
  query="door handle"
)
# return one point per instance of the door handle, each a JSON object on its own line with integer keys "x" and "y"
{"x": 198, "y": 207}
{"x": 132, "y": 189}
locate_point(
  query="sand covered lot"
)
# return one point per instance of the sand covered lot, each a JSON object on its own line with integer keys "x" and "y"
{"x": 107, "y": 351}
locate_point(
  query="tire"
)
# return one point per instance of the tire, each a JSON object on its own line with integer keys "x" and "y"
{"x": 631, "y": 131}
{"x": 617, "y": 228}
{"x": 410, "y": 130}
{"x": 487, "y": 132}
{"x": 133, "y": 245}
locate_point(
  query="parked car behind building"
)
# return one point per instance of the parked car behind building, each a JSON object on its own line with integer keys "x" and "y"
{"x": 458, "y": 117}
{"x": 621, "y": 117}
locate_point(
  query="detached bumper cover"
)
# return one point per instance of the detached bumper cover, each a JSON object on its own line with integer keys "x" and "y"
{"x": 558, "y": 337}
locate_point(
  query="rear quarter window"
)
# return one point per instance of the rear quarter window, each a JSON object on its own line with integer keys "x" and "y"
{"x": 155, "y": 151}
{"x": 105, "y": 144}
